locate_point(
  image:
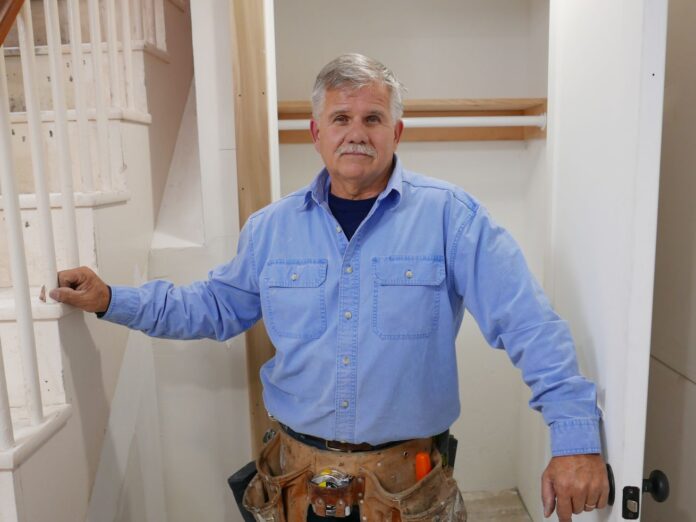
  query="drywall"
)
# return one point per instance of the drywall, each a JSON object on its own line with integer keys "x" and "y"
{"x": 671, "y": 432}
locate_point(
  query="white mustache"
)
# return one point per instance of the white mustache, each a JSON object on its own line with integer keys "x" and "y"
{"x": 357, "y": 148}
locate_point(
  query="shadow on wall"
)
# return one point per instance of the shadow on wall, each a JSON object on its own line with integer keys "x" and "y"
{"x": 84, "y": 386}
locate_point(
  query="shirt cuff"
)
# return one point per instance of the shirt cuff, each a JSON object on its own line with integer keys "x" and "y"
{"x": 124, "y": 305}
{"x": 101, "y": 314}
{"x": 575, "y": 437}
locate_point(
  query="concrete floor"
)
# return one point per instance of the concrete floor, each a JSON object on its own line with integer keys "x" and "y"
{"x": 501, "y": 506}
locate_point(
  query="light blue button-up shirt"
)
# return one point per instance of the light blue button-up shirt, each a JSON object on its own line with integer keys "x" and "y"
{"x": 365, "y": 329}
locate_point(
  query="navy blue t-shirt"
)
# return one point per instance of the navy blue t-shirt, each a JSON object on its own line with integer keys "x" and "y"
{"x": 350, "y": 212}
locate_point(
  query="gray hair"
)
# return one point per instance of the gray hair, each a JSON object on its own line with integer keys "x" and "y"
{"x": 353, "y": 71}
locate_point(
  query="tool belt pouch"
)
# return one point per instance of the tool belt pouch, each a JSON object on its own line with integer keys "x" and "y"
{"x": 270, "y": 491}
{"x": 238, "y": 484}
{"x": 443, "y": 503}
{"x": 435, "y": 498}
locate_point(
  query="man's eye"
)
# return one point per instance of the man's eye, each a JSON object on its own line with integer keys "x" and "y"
{"x": 340, "y": 119}
{"x": 373, "y": 119}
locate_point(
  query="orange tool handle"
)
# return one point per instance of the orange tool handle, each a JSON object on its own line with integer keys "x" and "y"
{"x": 423, "y": 465}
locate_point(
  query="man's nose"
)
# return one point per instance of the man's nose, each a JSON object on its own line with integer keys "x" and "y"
{"x": 356, "y": 132}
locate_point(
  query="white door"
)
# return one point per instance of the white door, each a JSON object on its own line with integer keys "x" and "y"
{"x": 606, "y": 75}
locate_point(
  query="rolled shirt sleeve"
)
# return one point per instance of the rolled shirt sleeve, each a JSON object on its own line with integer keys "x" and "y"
{"x": 514, "y": 314}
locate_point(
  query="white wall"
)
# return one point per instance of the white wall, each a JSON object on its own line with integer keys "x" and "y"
{"x": 201, "y": 385}
{"x": 446, "y": 49}
{"x": 179, "y": 425}
{"x": 671, "y": 432}
{"x": 139, "y": 476}
{"x": 167, "y": 89}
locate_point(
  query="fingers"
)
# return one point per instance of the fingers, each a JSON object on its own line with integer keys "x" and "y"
{"x": 592, "y": 500}
{"x": 578, "y": 483}
{"x": 603, "y": 498}
{"x": 67, "y": 296}
{"x": 82, "y": 288}
{"x": 578, "y": 502}
{"x": 564, "y": 508}
{"x": 75, "y": 276}
{"x": 548, "y": 496}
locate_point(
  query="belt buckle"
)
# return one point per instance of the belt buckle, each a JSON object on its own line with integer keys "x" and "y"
{"x": 327, "y": 444}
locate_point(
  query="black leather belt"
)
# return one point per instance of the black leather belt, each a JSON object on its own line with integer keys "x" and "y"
{"x": 334, "y": 445}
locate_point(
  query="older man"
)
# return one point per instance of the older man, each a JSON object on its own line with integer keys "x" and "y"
{"x": 362, "y": 279}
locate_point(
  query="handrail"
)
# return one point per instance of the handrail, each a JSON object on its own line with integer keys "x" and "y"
{"x": 9, "y": 9}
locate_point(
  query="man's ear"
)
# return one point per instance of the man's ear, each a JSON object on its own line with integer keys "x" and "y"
{"x": 398, "y": 130}
{"x": 314, "y": 129}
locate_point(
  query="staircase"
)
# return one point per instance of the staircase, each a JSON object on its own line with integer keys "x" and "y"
{"x": 91, "y": 95}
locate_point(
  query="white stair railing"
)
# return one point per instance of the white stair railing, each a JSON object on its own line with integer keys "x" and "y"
{"x": 64, "y": 159}
{"x": 114, "y": 88}
{"x": 75, "y": 24}
{"x": 114, "y": 70}
{"x": 18, "y": 264}
{"x": 100, "y": 94}
{"x": 127, "y": 53}
{"x": 38, "y": 157}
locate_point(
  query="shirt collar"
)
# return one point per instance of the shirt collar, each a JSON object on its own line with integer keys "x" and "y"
{"x": 318, "y": 190}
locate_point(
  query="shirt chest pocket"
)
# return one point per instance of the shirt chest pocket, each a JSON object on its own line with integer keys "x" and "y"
{"x": 406, "y": 295}
{"x": 293, "y": 297}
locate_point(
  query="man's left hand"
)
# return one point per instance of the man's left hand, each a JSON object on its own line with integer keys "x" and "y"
{"x": 573, "y": 484}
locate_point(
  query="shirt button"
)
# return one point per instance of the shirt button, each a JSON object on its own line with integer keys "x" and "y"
{"x": 344, "y": 404}
{"x": 346, "y": 361}
{"x": 294, "y": 277}
{"x": 347, "y": 315}
{"x": 338, "y": 229}
{"x": 409, "y": 274}
{"x": 349, "y": 270}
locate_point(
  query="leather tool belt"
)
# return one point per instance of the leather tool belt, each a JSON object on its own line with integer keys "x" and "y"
{"x": 382, "y": 483}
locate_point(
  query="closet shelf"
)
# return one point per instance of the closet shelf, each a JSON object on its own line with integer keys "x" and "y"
{"x": 442, "y": 108}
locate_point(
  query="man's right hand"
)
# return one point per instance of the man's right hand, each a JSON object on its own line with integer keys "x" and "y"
{"x": 82, "y": 288}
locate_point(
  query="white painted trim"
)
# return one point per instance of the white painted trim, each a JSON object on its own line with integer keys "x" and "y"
{"x": 32, "y": 438}
{"x": 152, "y": 49}
{"x": 647, "y": 175}
{"x": 40, "y": 311}
{"x": 132, "y": 116}
{"x": 137, "y": 45}
{"x": 82, "y": 199}
{"x": 272, "y": 99}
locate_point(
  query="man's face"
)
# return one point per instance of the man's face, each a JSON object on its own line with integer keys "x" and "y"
{"x": 356, "y": 137}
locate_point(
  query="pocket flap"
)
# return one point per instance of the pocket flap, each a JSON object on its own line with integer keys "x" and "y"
{"x": 296, "y": 273}
{"x": 409, "y": 270}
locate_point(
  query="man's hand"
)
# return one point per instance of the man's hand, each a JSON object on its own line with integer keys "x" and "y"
{"x": 573, "y": 484}
{"x": 82, "y": 288}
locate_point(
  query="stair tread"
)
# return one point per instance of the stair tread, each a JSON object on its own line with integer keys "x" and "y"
{"x": 40, "y": 311}
{"x": 30, "y": 438}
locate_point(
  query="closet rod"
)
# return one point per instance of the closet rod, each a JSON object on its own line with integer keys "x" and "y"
{"x": 447, "y": 121}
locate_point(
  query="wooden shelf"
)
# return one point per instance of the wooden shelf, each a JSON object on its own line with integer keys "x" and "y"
{"x": 294, "y": 110}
